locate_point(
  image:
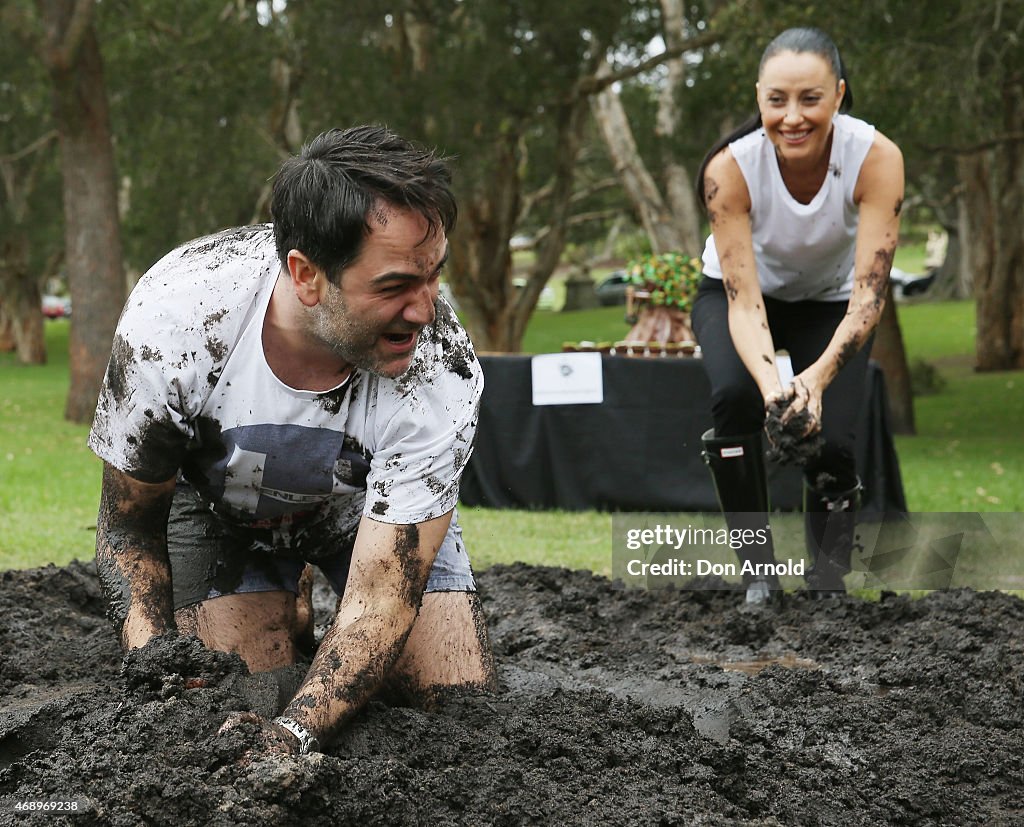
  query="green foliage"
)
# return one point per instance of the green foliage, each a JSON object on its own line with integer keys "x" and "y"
{"x": 30, "y": 199}
{"x": 670, "y": 278}
{"x": 191, "y": 101}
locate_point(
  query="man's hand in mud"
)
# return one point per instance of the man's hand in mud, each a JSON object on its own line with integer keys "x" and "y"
{"x": 269, "y": 737}
{"x": 169, "y": 664}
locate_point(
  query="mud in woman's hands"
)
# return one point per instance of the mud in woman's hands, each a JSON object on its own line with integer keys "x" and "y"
{"x": 793, "y": 424}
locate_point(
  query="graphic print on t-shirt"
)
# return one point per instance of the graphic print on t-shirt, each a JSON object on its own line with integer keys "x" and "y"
{"x": 266, "y": 471}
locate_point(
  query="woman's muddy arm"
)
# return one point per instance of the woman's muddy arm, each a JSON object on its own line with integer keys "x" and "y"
{"x": 879, "y": 194}
{"x": 131, "y": 556}
{"x": 728, "y": 206}
{"x": 390, "y": 566}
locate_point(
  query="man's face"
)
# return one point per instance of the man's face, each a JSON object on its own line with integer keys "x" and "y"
{"x": 373, "y": 318}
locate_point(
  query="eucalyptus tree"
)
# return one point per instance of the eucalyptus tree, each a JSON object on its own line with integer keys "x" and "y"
{"x": 191, "y": 98}
{"x": 30, "y": 212}
{"x": 62, "y": 34}
{"x": 499, "y": 86}
{"x": 662, "y": 191}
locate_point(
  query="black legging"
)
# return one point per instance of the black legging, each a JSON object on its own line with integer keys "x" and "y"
{"x": 804, "y": 329}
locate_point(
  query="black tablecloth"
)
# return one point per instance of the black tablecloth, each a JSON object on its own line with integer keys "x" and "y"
{"x": 640, "y": 449}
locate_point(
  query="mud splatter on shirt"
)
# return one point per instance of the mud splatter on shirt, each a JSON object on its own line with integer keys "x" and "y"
{"x": 189, "y": 389}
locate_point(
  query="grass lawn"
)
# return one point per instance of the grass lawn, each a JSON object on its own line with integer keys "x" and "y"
{"x": 49, "y": 480}
{"x": 968, "y": 454}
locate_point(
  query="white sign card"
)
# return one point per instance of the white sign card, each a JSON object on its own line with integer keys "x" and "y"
{"x": 785, "y": 367}
{"x": 567, "y": 379}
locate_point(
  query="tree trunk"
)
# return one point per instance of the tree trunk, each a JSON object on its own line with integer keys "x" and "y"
{"x": 659, "y": 223}
{"x": 21, "y": 310}
{"x": 994, "y": 194}
{"x": 480, "y": 269}
{"x": 572, "y": 121}
{"x": 7, "y": 343}
{"x": 497, "y": 312}
{"x": 92, "y": 236}
{"x": 679, "y": 190}
{"x": 670, "y": 219}
{"x": 891, "y": 356}
{"x": 950, "y": 276}
{"x": 21, "y": 320}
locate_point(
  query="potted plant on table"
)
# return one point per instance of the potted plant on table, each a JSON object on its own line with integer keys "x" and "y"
{"x": 660, "y": 297}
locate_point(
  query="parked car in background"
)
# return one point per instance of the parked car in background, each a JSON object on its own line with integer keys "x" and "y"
{"x": 612, "y": 289}
{"x": 56, "y": 307}
{"x": 906, "y": 284}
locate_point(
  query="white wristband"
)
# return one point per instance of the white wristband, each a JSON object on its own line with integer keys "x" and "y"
{"x": 308, "y": 742}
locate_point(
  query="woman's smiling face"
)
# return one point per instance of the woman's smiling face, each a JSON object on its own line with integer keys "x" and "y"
{"x": 798, "y": 94}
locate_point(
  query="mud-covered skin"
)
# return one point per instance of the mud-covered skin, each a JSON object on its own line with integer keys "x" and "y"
{"x": 358, "y": 652}
{"x": 407, "y": 553}
{"x": 268, "y": 736}
{"x": 877, "y": 279}
{"x": 710, "y": 193}
{"x": 131, "y": 555}
{"x": 730, "y": 288}
{"x": 866, "y": 315}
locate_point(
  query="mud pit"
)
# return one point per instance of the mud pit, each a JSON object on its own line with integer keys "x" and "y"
{"x": 616, "y": 708}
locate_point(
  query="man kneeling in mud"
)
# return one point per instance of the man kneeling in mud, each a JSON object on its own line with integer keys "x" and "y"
{"x": 298, "y": 393}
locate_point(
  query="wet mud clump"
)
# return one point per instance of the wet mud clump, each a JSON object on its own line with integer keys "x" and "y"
{"x": 614, "y": 707}
{"x": 789, "y": 443}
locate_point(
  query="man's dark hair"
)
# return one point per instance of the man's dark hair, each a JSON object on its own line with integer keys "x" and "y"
{"x": 801, "y": 41}
{"x": 322, "y": 198}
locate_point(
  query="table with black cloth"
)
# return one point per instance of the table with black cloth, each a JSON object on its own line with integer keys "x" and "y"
{"x": 640, "y": 449}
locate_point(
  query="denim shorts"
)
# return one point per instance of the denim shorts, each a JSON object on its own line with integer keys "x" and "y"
{"x": 212, "y": 557}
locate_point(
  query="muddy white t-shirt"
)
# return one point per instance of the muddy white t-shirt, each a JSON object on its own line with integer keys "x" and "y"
{"x": 188, "y": 389}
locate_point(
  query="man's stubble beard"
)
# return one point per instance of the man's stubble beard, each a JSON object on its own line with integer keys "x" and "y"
{"x": 353, "y": 340}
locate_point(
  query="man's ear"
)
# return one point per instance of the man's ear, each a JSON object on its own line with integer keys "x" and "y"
{"x": 306, "y": 277}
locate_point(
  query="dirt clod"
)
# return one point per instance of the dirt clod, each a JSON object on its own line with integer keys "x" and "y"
{"x": 616, "y": 707}
{"x": 788, "y": 441}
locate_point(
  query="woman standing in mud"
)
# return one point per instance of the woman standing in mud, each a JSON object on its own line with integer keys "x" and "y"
{"x": 804, "y": 206}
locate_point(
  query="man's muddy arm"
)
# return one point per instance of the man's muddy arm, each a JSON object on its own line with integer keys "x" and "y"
{"x": 131, "y": 556}
{"x": 390, "y": 567}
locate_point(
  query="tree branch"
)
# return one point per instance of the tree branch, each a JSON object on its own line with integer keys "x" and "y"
{"x": 65, "y": 52}
{"x": 36, "y": 145}
{"x": 974, "y": 149}
{"x": 593, "y": 84}
{"x": 593, "y": 189}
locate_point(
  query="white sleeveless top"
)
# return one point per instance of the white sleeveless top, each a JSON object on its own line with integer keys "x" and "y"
{"x": 803, "y": 251}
